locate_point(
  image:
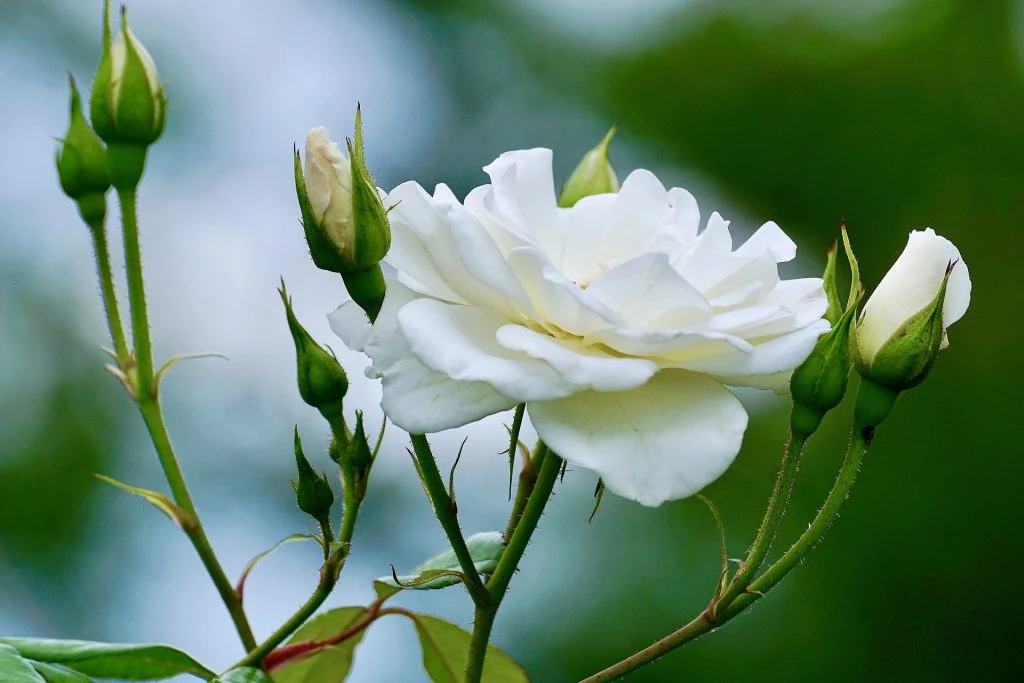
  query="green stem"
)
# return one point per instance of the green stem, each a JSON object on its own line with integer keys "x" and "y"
{"x": 445, "y": 512}
{"x": 109, "y": 293}
{"x": 136, "y": 292}
{"x": 816, "y": 531}
{"x": 773, "y": 515}
{"x": 333, "y": 564}
{"x": 547, "y": 473}
{"x": 153, "y": 417}
{"x": 771, "y": 577}
{"x": 149, "y": 406}
{"x": 513, "y": 447}
{"x": 527, "y": 481}
{"x": 328, "y": 579}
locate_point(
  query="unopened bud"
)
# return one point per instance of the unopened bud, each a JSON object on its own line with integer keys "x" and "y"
{"x": 593, "y": 175}
{"x": 128, "y": 104}
{"x": 313, "y": 492}
{"x": 321, "y": 379}
{"x": 82, "y": 164}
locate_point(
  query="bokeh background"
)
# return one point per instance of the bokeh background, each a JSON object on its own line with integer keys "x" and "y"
{"x": 895, "y": 114}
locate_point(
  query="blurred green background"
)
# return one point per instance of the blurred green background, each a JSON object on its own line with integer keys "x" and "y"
{"x": 894, "y": 115}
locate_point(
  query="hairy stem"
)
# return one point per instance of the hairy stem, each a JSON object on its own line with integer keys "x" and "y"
{"x": 769, "y": 579}
{"x": 445, "y": 512}
{"x": 145, "y": 390}
{"x": 483, "y": 622}
{"x": 153, "y": 417}
{"x": 136, "y": 292}
{"x": 773, "y": 515}
{"x": 109, "y": 292}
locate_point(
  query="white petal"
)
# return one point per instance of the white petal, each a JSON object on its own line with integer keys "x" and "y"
{"x": 524, "y": 191}
{"x": 461, "y": 343}
{"x": 770, "y": 237}
{"x": 558, "y": 300}
{"x": 349, "y": 322}
{"x": 577, "y": 365}
{"x": 665, "y": 440}
{"x": 780, "y": 354}
{"x": 649, "y": 292}
{"x": 910, "y": 285}
{"x": 416, "y": 398}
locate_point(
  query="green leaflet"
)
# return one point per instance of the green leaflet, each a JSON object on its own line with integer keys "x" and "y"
{"x": 445, "y": 648}
{"x": 14, "y": 669}
{"x": 110, "y": 660}
{"x": 485, "y": 548}
{"x": 331, "y": 664}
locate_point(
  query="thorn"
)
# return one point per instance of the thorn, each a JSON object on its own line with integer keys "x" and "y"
{"x": 451, "y": 478}
{"x": 561, "y": 474}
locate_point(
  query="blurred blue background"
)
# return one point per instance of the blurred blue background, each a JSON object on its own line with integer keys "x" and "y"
{"x": 893, "y": 114}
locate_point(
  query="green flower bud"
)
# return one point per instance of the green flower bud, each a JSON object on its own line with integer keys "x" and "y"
{"x": 82, "y": 164}
{"x": 357, "y": 459}
{"x": 343, "y": 215}
{"x": 322, "y": 381}
{"x": 819, "y": 384}
{"x": 594, "y": 175}
{"x": 313, "y": 492}
{"x": 128, "y": 105}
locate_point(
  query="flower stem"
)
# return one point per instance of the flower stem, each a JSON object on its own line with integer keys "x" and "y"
{"x": 145, "y": 393}
{"x": 328, "y": 579}
{"x": 814, "y": 534}
{"x": 136, "y": 292}
{"x": 445, "y": 513}
{"x": 547, "y": 473}
{"x": 773, "y": 515}
{"x": 527, "y": 481}
{"x": 153, "y": 417}
{"x": 770, "y": 578}
{"x": 109, "y": 293}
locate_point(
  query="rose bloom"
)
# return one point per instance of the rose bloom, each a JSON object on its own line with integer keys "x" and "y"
{"x": 617, "y": 322}
{"x": 909, "y": 287}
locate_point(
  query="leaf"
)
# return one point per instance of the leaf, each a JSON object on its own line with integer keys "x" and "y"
{"x": 485, "y": 548}
{"x": 158, "y": 500}
{"x": 111, "y": 660}
{"x": 330, "y": 664}
{"x": 240, "y": 586}
{"x": 14, "y": 669}
{"x": 58, "y": 674}
{"x": 244, "y": 674}
{"x": 384, "y": 590}
{"x": 445, "y": 654}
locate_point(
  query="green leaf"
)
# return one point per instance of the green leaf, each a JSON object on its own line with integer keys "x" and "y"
{"x": 244, "y": 674}
{"x": 178, "y": 515}
{"x": 485, "y": 548}
{"x": 58, "y": 674}
{"x": 110, "y": 660}
{"x": 330, "y": 664}
{"x": 445, "y": 653}
{"x": 384, "y": 590}
{"x": 14, "y": 669}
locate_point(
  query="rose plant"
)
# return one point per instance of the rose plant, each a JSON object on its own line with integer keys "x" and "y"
{"x": 611, "y": 316}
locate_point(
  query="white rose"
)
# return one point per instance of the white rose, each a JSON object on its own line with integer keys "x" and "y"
{"x": 328, "y": 175}
{"x": 911, "y": 285}
{"x": 614, "y": 321}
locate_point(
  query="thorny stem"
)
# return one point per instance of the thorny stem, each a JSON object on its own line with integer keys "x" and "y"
{"x": 109, "y": 292}
{"x": 547, "y": 473}
{"x": 445, "y": 513}
{"x": 771, "y": 577}
{"x": 145, "y": 393}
